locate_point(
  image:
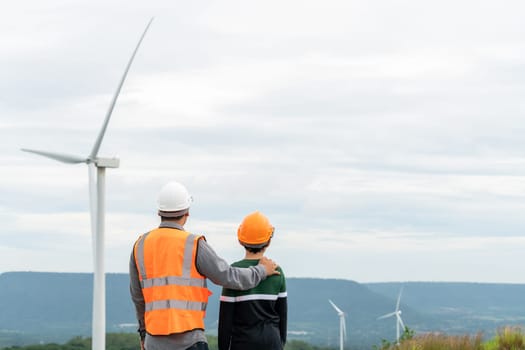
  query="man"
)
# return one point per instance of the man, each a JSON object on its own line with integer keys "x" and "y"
{"x": 168, "y": 270}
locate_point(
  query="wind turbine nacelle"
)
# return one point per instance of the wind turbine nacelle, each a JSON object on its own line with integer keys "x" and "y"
{"x": 107, "y": 162}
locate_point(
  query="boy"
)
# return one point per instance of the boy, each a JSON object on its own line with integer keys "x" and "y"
{"x": 254, "y": 319}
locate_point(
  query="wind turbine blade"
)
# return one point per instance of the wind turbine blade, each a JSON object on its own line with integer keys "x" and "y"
{"x": 61, "y": 157}
{"x": 400, "y": 322}
{"x": 93, "y": 206}
{"x": 335, "y": 307}
{"x": 387, "y": 315}
{"x": 399, "y": 298}
{"x": 100, "y": 136}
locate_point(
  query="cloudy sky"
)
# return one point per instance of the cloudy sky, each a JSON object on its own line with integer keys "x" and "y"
{"x": 383, "y": 139}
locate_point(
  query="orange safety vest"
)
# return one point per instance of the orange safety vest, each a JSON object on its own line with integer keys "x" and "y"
{"x": 175, "y": 293}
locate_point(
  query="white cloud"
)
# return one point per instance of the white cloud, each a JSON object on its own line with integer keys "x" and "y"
{"x": 417, "y": 256}
{"x": 367, "y": 131}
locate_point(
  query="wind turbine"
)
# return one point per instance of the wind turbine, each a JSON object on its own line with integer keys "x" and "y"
{"x": 342, "y": 325}
{"x": 96, "y": 197}
{"x": 397, "y": 313}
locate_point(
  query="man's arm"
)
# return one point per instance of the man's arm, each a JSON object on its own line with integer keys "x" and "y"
{"x": 215, "y": 268}
{"x": 136, "y": 293}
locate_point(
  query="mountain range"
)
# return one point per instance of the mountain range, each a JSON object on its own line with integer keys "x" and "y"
{"x": 54, "y": 307}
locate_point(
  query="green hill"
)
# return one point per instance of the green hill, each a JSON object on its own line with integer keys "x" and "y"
{"x": 54, "y": 307}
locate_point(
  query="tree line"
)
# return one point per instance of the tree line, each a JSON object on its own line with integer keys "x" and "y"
{"x": 130, "y": 341}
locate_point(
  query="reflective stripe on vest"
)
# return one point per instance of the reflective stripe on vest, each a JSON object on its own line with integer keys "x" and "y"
{"x": 164, "y": 281}
{"x": 173, "y": 303}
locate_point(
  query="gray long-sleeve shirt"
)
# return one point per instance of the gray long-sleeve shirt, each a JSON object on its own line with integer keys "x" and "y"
{"x": 210, "y": 265}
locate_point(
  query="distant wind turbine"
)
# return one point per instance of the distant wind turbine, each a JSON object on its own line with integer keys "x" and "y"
{"x": 397, "y": 313}
{"x": 342, "y": 325}
{"x": 96, "y": 196}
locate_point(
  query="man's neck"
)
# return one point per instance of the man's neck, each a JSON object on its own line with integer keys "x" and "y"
{"x": 173, "y": 222}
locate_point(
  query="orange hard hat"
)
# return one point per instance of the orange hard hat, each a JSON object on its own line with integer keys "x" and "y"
{"x": 255, "y": 230}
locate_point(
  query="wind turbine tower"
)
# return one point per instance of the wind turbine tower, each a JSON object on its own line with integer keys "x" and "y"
{"x": 397, "y": 314}
{"x": 342, "y": 324}
{"x": 97, "y": 210}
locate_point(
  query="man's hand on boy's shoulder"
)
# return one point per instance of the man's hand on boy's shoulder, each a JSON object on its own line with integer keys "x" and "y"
{"x": 270, "y": 266}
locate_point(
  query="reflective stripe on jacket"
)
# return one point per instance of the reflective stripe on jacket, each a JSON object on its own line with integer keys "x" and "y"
{"x": 175, "y": 293}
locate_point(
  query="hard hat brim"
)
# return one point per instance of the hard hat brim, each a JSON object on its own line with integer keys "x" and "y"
{"x": 173, "y": 214}
{"x": 259, "y": 245}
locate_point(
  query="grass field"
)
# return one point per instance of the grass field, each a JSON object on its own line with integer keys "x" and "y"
{"x": 507, "y": 338}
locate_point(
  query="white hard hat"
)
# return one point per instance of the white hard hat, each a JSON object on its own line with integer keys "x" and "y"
{"x": 174, "y": 200}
